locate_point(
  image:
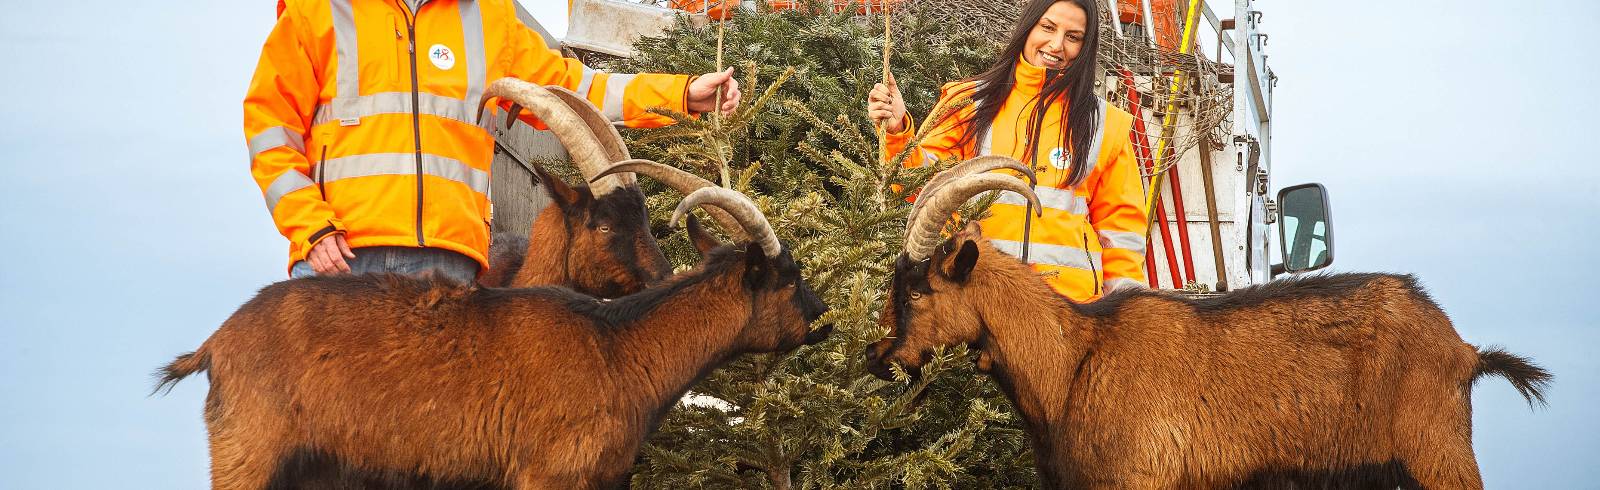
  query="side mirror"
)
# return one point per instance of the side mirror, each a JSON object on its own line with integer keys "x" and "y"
{"x": 1305, "y": 229}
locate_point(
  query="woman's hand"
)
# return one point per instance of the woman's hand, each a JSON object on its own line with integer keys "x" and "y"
{"x": 885, "y": 106}
{"x": 703, "y": 92}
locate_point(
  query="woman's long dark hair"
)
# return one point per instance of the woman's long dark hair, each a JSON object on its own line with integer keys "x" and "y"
{"x": 1075, "y": 84}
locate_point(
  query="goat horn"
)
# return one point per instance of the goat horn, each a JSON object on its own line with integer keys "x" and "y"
{"x": 584, "y": 147}
{"x": 606, "y": 133}
{"x": 970, "y": 167}
{"x": 681, "y": 181}
{"x": 737, "y": 205}
{"x": 922, "y": 234}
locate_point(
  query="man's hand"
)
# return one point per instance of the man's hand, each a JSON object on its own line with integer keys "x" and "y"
{"x": 703, "y": 92}
{"x": 886, "y": 107}
{"x": 327, "y": 256}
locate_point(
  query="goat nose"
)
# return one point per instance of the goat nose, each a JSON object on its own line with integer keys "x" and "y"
{"x": 819, "y": 335}
{"x": 876, "y": 350}
{"x": 879, "y": 368}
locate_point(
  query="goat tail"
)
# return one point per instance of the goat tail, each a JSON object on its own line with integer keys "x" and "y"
{"x": 168, "y": 376}
{"x": 1528, "y": 378}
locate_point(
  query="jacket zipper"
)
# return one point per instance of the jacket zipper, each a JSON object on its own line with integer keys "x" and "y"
{"x": 416, "y": 116}
{"x": 1092, "y": 269}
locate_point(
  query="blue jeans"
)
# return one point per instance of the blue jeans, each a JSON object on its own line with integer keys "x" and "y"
{"x": 412, "y": 261}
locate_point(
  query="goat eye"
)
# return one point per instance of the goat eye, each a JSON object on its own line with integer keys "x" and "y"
{"x": 916, "y": 296}
{"x": 605, "y": 229}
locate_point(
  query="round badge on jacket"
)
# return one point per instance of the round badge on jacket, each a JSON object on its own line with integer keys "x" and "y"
{"x": 1059, "y": 158}
{"x": 441, "y": 56}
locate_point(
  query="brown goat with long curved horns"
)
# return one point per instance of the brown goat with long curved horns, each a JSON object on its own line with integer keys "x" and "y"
{"x": 522, "y": 388}
{"x": 1323, "y": 381}
{"x": 595, "y": 239}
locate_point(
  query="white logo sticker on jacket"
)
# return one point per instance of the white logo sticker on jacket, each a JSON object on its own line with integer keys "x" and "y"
{"x": 441, "y": 56}
{"x": 1060, "y": 158}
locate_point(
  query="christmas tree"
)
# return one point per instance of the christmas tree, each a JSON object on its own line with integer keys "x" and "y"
{"x": 803, "y": 149}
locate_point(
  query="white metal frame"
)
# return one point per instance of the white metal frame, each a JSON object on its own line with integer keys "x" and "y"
{"x": 1252, "y": 121}
{"x": 1242, "y": 196}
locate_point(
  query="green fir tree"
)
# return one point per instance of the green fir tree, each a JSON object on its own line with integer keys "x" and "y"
{"x": 803, "y": 149}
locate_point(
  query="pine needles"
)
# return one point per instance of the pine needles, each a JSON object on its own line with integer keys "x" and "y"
{"x": 805, "y": 152}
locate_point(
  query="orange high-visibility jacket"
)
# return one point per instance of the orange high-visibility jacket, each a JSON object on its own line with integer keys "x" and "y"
{"x": 1091, "y": 236}
{"x": 363, "y": 117}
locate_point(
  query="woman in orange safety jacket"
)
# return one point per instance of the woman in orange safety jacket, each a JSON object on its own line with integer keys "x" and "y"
{"x": 1037, "y": 104}
{"x": 364, "y": 127}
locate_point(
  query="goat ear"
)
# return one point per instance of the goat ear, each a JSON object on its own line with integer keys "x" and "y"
{"x": 973, "y": 230}
{"x": 563, "y": 194}
{"x": 756, "y": 266}
{"x": 585, "y": 196}
{"x": 965, "y": 259}
{"x": 702, "y": 239}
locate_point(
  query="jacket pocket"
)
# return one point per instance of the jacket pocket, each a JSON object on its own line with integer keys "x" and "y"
{"x": 399, "y": 64}
{"x": 320, "y": 172}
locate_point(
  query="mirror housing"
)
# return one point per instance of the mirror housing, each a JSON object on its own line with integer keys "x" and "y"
{"x": 1305, "y": 229}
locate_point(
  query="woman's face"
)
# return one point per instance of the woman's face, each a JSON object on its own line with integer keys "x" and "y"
{"x": 1058, "y": 36}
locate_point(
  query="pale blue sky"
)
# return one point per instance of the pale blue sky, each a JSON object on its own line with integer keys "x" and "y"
{"x": 1453, "y": 137}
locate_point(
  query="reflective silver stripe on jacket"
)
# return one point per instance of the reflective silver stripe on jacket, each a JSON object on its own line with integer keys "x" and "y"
{"x": 371, "y": 164}
{"x": 398, "y": 103}
{"x": 1049, "y": 254}
{"x": 344, "y": 35}
{"x": 274, "y": 137}
{"x": 349, "y": 104}
{"x": 616, "y": 86}
{"x": 586, "y": 82}
{"x": 1119, "y": 283}
{"x": 1099, "y": 137}
{"x": 1126, "y": 240}
{"x": 290, "y": 181}
{"x": 477, "y": 68}
{"x": 986, "y": 141}
{"x": 1050, "y": 197}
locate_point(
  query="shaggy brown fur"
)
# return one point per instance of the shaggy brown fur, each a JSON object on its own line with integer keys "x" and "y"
{"x": 1329, "y": 381}
{"x": 597, "y": 246}
{"x": 521, "y": 388}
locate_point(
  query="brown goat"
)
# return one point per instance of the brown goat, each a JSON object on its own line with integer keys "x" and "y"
{"x": 522, "y": 388}
{"x": 1326, "y": 381}
{"x": 599, "y": 246}
{"x": 595, "y": 239}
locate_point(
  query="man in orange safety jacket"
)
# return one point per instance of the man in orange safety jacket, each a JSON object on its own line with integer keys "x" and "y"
{"x": 365, "y": 133}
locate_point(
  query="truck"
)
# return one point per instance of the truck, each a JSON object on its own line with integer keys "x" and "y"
{"x": 1197, "y": 82}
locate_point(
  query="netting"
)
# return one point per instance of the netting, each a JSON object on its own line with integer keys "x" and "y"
{"x": 1201, "y": 106}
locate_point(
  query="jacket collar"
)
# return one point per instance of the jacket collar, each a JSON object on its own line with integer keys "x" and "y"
{"x": 1030, "y": 77}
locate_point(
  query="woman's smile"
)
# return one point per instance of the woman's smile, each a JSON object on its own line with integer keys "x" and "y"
{"x": 1051, "y": 61}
